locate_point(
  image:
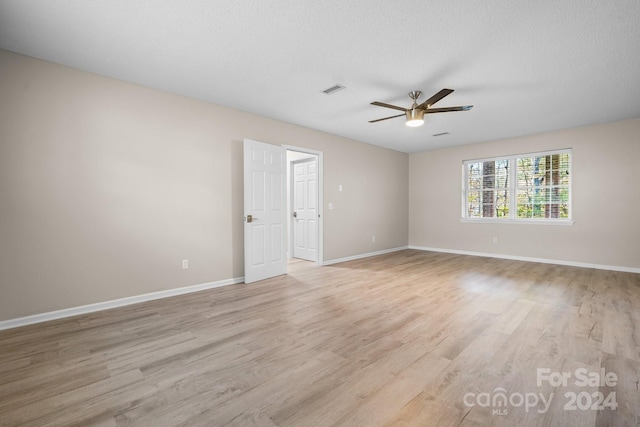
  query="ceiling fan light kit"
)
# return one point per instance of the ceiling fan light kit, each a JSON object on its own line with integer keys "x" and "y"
{"x": 415, "y": 114}
{"x": 415, "y": 117}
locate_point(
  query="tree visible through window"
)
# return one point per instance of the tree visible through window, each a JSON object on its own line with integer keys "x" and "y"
{"x": 535, "y": 186}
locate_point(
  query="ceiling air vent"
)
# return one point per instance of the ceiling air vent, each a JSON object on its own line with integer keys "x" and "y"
{"x": 333, "y": 89}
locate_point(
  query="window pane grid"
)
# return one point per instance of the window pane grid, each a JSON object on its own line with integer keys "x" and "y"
{"x": 519, "y": 187}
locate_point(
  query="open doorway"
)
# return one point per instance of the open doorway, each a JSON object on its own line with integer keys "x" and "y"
{"x": 304, "y": 205}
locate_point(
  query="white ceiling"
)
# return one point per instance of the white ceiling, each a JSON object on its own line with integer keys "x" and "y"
{"x": 526, "y": 66}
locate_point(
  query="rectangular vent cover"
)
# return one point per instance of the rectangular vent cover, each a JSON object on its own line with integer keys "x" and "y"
{"x": 333, "y": 89}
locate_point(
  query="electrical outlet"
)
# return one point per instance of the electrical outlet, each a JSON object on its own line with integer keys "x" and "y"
{"x": 494, "y": 240}
{"x": 373, "y": 238}
{"x": 185, "y": 264}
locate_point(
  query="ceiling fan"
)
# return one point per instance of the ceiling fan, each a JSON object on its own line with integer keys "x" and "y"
{"x": 415, "y": 114}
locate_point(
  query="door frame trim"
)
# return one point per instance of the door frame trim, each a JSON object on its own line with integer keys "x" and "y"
{"x": 319, "y": 155}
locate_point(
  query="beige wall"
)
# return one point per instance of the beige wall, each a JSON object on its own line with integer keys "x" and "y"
{"x": 606, "y": 199}
{"x": 106, "y": 186}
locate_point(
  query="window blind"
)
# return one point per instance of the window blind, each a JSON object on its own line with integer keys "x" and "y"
{"x": 534, "y": 186}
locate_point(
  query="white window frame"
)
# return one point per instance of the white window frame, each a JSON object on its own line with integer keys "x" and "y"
{"x": 513, "y": 174}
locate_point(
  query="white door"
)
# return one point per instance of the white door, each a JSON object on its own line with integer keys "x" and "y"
{"x": 305, "y": 209}
{"x": 265, "y": 211}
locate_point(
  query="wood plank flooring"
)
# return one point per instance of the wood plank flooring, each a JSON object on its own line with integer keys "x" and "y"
{"x": 410, "y": 338}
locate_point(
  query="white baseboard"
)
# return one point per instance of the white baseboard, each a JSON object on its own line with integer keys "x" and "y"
{"x": 90, "y": 308}
{"x": 367, "y": 255}
{"x": 530, "y": 259}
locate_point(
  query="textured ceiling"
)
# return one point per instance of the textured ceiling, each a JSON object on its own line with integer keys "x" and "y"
{"x": 526, "y": 66}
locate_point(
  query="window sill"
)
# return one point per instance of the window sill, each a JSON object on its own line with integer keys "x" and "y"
{"x": 517, "y": 221}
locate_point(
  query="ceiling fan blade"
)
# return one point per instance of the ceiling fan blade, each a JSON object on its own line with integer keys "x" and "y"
{"x": 386, "y": 118}
{"x": 382, "y": 104}
{"x": 447, "y": 109}
{"x": 435, "y": 98}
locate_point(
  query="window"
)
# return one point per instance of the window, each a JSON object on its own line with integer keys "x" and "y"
{"x": 529, "y": 187}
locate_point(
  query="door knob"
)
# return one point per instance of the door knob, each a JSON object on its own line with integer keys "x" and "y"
{"x": 250, "y": 218}
{"x": 295, "y": 214}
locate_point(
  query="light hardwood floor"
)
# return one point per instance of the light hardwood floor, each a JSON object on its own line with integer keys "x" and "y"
{"x": 405, "y": 339}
